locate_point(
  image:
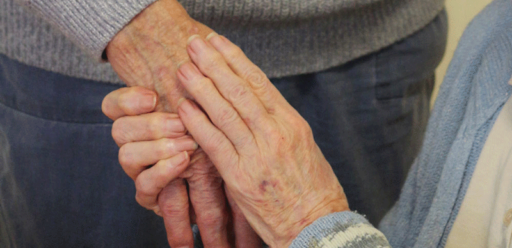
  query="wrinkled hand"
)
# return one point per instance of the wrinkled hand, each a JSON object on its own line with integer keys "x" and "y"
{"x": 154, "y": 138}
{"x": 262, "y": 147}
{"x": 149, "y": 49}
{"x": 159, "y": 140}
{"x": 146, "y": 53}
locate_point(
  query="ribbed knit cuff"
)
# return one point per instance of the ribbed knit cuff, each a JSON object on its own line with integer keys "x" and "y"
{"x": 90, "y": 24}
{"x": 343, "y": 229}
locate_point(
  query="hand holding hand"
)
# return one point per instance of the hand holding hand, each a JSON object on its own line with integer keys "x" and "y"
{"x": 154, "y": 138}
{"x": 146, "y": 53}
{"x": 262, "y": 147}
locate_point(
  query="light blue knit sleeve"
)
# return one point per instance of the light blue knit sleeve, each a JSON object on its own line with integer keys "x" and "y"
{"x": 343, "y": 229}
{"x": 90, "y": 24}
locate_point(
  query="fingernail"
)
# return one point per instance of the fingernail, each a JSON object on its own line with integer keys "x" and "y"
{"x": 191, "y": 38}
{"x": 211, "y": 35}
{"x": 148, "y": 102}
{"x": 197, "y": 44}
{"x": 217, "y": 41}
{"x": 179, "y": 159}
{"x": 181, "y": 63}
{"x": 185, "y": 145}
{"x": 189, "y": 71}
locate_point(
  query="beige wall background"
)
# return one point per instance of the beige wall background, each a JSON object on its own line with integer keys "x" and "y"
{"x": 460, "y": 13}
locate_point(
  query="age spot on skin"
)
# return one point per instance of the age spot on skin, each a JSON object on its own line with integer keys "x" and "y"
{"x": 263, "y": 186}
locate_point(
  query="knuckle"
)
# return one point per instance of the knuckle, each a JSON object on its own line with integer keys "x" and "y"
{"x": 257, "y": 78}
{"x": 125, "y": 157}
{"x": 118, "y": 131}
{"x": 227, "y": 117}
{"x": 238, "y": 93}
{"x": 142, "y": 187}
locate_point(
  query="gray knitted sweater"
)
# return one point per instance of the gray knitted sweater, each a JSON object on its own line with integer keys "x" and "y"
{"x": 283, "y": 37}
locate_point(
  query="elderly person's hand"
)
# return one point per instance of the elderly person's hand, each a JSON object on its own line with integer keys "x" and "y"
{"x": 263, "y": 149}
{"x": 154, "y": 152}
{"x": 146, "y": 53}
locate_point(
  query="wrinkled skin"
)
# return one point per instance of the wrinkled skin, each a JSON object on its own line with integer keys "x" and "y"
{"x": 263, "y": 149}
{"x": 146, "y": 53}
{"x": 158, "y": 139}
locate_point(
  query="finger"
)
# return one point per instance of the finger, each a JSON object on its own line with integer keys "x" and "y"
{"x": 245, "y": 69}
{"x": 135, "y": 157}
{"x": 209, "y": 202}
{"x": 218, "y": 147}
{"x": 147, "y": 127}
{"x": 174, "y": 207}
{"x": 231, "y": 87}
{"x": 245, "y": 236}
{"x": 128, "y": 101}
{"x": 150, "y": 182}
{"x": 220, "y": 111}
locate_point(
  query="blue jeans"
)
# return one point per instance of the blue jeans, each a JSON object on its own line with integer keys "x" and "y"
{"x": 61, "y": 184}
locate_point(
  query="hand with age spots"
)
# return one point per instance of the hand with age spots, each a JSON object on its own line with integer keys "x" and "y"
{"x": 156, "y": 153}
{"x": 146, "y": 52}
{"x": 263, "y": 149}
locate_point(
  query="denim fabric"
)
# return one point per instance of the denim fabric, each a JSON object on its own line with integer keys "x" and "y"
{"x": 61, "y": 184}
{"x": 369, "y": 116}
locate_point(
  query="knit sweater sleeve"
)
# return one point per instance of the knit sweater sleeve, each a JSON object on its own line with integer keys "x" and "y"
{"x": 90, "y": 24}
{"x": 343, "y": 229}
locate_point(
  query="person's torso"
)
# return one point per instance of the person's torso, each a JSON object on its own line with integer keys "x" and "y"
{"x": 284, "y": 37}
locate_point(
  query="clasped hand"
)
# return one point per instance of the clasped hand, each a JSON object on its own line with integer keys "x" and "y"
{"x": 273, "y": 171}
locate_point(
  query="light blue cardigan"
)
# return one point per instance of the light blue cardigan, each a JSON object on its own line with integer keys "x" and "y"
{"x": 471, "y": 97}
